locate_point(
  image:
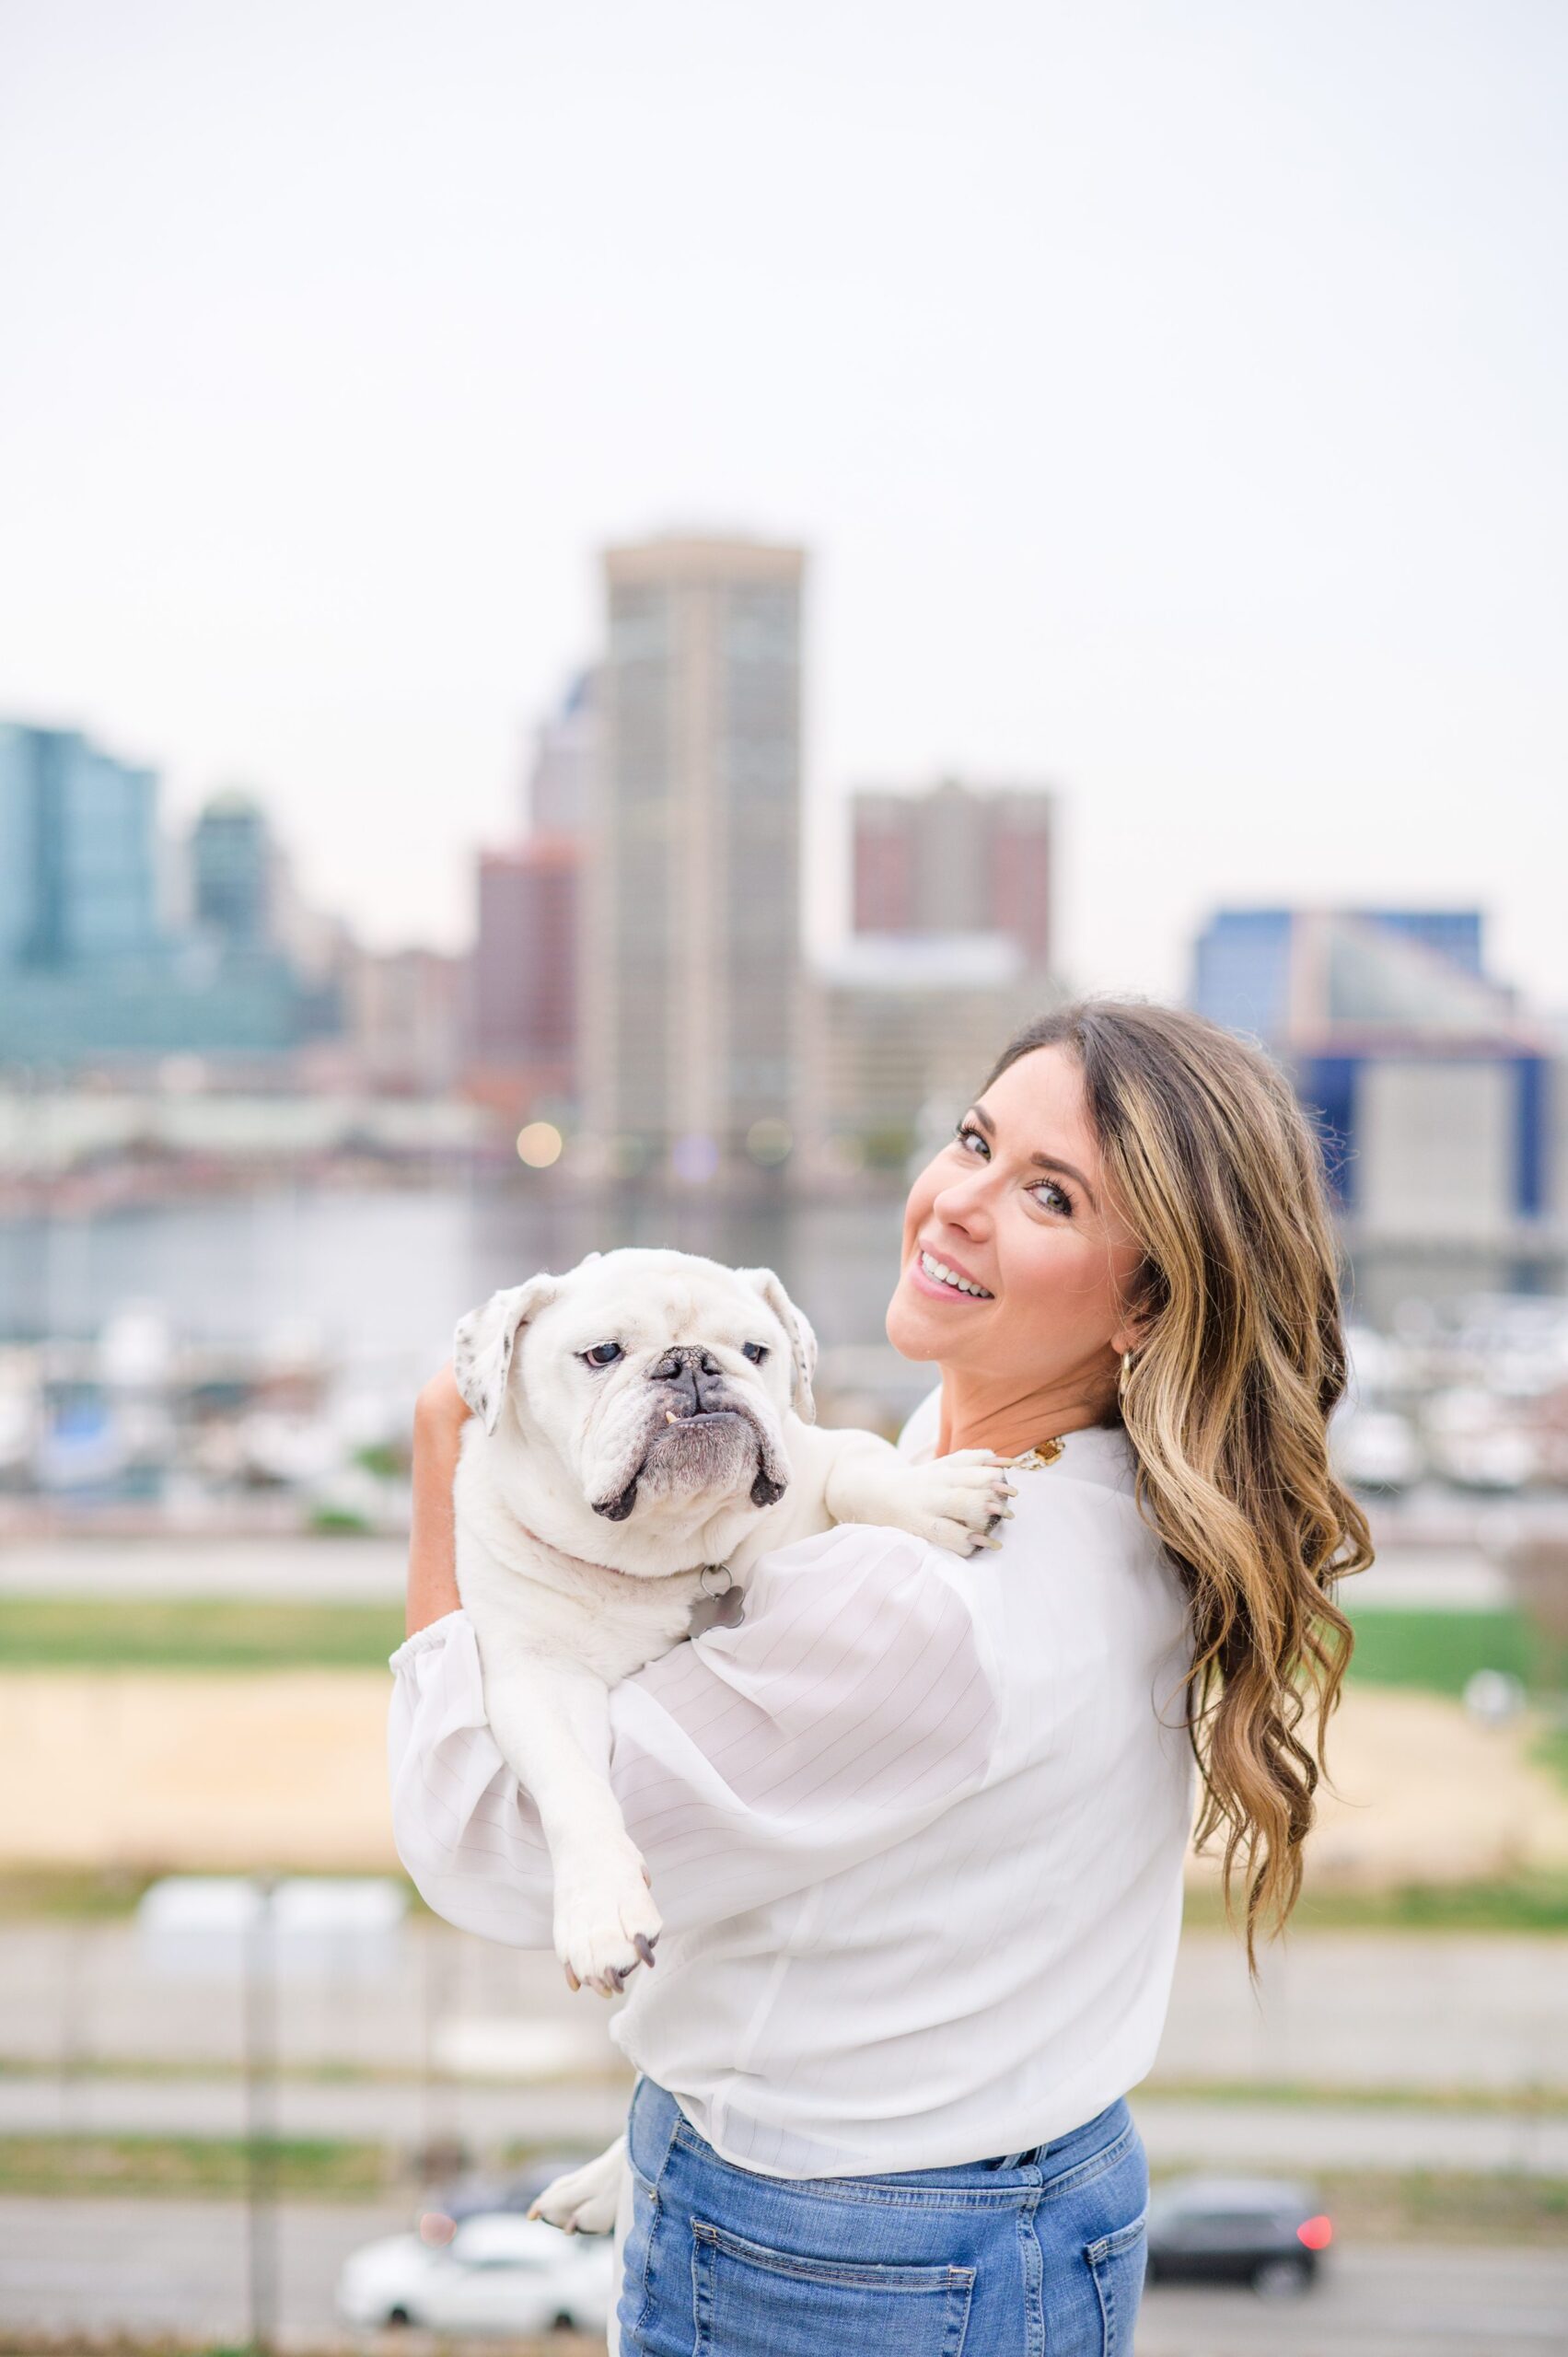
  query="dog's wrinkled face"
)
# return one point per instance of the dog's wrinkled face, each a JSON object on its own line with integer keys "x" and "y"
{"x": 658, "y": 1380}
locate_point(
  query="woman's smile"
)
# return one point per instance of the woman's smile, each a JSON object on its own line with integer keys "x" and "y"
{"x": 944, "y": 1278}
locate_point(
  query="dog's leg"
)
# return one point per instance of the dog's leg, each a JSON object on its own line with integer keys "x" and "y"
{"x": 955, "y": 1500}
{"x": 551, "y": 1716}
{"x": 582, "y": 2201}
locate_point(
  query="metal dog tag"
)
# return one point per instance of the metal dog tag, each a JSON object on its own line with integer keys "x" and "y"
{"x": 721, "y": 1603}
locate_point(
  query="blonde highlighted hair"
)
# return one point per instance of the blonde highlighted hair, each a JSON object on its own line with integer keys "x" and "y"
{"x": 1239, "y": 1363}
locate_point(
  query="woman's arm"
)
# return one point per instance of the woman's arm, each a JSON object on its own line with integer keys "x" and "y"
{"x": 853, "y": 1703}
{"x": 439, "y": 1414}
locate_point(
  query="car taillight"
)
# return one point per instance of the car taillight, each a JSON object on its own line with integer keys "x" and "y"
{"x": 1317, "y": 2234}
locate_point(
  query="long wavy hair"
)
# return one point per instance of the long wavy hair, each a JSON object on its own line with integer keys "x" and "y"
{"x": 1239, "y": 1363}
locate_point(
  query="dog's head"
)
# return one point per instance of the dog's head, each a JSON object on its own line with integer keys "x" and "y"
{"x": 660, "y": 1381}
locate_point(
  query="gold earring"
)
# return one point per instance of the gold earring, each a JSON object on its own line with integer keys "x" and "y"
{"x": 1126, "y": 1371}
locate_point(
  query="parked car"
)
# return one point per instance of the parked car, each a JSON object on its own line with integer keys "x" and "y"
{"x": 1260, "y": 2231}
{"x": 497, "y": 2273}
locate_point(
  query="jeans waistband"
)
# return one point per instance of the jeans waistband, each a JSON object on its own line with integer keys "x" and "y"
{"x": 661, "y": 2113}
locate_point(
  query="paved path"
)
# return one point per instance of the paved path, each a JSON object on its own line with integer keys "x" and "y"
{"x": 289, "y": 1569}
{"x": 1209, "y": 2135}
{"x": 145, "y": 2267}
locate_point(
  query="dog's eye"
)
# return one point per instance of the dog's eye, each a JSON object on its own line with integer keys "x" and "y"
{"x": 755, "y": 1351}
{"x": 604, "y": 1354}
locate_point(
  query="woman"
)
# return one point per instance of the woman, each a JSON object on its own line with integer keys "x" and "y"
{"x": 917, "y": 1825}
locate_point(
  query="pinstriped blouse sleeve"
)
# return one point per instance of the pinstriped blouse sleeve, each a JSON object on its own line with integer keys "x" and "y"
{"x": 854, "y": 1702}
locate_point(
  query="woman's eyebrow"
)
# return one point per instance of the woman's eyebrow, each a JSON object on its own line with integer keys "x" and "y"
{"x": 1040, "y": 1161}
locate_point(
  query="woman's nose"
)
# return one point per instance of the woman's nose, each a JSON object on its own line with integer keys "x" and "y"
{"x": 962, "y": 1204}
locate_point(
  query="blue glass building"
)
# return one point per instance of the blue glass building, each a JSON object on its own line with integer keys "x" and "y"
{"x": 1431, "y": 1086}
{"x": 89, "y": 971}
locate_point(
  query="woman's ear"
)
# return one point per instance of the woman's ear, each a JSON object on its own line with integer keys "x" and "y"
{"x": 1134, "y": 1333}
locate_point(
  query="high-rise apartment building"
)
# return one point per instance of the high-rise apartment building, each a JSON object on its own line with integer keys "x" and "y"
{"x": 231, "y": 872}
{"x": 524, "y": 975}
{"x": 78, "y": 851}
{"x": 958, "y": 859}
{"x": 691, "y": 947}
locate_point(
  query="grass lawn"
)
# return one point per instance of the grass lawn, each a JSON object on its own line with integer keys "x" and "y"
{"x": 80, "y": 2165}
{"x": 1368, "y": 2205}
{"x": 193, "y": 1633}
{"x": 1524, "y": 1902}
{"x": 1439, "y": 1651}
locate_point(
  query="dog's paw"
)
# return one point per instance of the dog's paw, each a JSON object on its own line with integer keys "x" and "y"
{"x": 606, "y": 1923}
{"x": 583, "y": 2200}
{"x": 959, "y": 1500}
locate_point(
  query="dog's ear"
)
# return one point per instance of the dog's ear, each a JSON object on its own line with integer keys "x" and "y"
{"x": 482, "y": 1348}
{"x": 802, "y": 1340}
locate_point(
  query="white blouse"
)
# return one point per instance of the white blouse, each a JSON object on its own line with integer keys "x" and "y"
{"x": 915, "y": 1827}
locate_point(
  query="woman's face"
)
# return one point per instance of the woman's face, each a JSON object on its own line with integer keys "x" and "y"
{"x": 1017, "y": 1207}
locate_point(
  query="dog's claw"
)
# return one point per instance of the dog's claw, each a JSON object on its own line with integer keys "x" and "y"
{"x": 645, "y": 1948}
{"x": 572, "y": 1980}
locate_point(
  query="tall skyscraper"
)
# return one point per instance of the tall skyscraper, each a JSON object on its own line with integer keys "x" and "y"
{"x": 560, "y": 779}
{"x": 231, "y": 872}
{"x": 78, "y": 851}
{"x": 957, "y": 859}
{"x": 692, "y": 949}
{"x": 524, "y": 975}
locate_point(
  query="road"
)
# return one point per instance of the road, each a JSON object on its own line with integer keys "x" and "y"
{"x": 1212, "y": 2135}
{"x": 1332, "y": 2009}
{"x": 146, "y": 2267}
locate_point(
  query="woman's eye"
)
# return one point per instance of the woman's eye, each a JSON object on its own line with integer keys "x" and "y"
{"x": 970, "y": 1140}
{"x": 1059, "y": 1199}
{"x": 604, "y": 1354}
{"x": 755, "y": 1351}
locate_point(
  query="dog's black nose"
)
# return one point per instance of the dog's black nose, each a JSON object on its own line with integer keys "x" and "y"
{"x": 691, "y": 1374}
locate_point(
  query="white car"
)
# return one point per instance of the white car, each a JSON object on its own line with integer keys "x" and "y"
{"x": 498, "y": 2273}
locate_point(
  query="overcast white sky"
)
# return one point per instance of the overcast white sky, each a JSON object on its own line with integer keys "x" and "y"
{"x": 1171, "y": 393}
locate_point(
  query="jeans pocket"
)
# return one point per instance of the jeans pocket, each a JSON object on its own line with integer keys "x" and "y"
{"x": 752, "y": 2302}
{"x": 1115, "y": 2261}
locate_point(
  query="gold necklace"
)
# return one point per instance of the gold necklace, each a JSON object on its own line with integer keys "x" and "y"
{"x": 1035, "y": 1459}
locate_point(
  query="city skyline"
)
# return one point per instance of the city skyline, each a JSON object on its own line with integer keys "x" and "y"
{"x": 1172, "y": 415}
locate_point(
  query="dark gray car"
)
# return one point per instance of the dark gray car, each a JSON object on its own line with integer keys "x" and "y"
{"x": 1267, "y": 2231}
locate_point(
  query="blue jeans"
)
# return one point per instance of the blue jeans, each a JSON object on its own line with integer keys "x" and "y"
{"x": 1035, "y": 2255}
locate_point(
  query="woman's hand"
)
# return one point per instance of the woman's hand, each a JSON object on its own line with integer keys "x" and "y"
{"x": 438, "y": 1418}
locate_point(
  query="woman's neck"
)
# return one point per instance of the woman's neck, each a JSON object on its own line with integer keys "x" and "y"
{"x": 977, "y": 1415}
